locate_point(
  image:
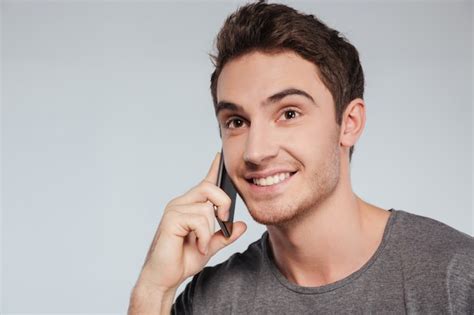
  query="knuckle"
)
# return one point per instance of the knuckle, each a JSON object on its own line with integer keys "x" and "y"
{"x": 208, "y": 208}
{"x": 173, "y": 201}
{"x": 193, "y": 218}
{"x": 206, "y": 186}
{"x": 169, "y": 210}
{"x": 203, "y": 221}
{"x": 206, "y": 181}
{"x": 227, "y": 201}
{"x": 168, "y": 218}
{"x": 165, "y": 217}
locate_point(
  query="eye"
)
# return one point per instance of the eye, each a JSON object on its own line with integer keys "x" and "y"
{"x": 291, "y": 114}
{"x": 234, "y": 123}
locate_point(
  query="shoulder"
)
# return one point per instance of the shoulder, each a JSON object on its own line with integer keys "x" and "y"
{"x": 426, "y": 235}
{"x": 437, "y": 262}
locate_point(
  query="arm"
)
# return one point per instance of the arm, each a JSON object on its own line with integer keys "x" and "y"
{"x": 150, "y": 301}
{"x": 183, "y": 243}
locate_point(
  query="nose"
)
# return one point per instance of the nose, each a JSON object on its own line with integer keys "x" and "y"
{"x": 260, "y": 145}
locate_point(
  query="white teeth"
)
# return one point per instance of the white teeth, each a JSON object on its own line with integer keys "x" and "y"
{"x": 271, "y": 180}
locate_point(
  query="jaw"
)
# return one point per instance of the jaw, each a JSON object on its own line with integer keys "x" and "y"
{"x": 273, "y": 204}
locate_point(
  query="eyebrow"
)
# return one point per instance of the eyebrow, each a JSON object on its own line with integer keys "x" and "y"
{"x": 270, "y": 100}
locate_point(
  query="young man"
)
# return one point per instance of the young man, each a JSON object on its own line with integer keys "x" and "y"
{"x": 288, "y": 96}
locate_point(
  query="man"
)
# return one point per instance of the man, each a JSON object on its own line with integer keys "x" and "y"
{"x": 288, "y": 96}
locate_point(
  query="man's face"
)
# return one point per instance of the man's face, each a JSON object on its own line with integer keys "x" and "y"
{"x": 279, "y": 135}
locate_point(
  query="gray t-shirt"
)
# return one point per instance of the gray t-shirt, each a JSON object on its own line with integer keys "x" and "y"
{"x": 422, "y": 266}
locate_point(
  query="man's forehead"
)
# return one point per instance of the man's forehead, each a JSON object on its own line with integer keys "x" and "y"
{"x": 257, "y": 76}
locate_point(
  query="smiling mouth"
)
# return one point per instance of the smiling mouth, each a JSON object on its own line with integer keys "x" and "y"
{"x": 271, "y": 180}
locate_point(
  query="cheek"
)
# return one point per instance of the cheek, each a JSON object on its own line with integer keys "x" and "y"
{"x": 306, "y": 137}
{"x": 233, "y": 154}
{"x": 309, "y": 144}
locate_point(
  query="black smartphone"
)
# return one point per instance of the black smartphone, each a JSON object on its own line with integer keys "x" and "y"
{"x": 224, "y": 182}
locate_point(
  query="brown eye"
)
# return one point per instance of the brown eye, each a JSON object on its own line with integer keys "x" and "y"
{"x": 290, "y": 114}
{"x": 234, "y": 123}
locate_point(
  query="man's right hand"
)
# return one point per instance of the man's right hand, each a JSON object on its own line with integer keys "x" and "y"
{"x": 183, "y": 244}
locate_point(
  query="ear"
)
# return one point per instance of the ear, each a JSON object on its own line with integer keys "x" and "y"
{"x": 353, "y": 122}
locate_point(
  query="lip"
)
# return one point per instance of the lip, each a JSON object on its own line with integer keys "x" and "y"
{"x": 272, "y": 190}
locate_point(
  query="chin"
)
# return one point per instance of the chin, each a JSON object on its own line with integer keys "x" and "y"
{"x": 276, "y": 214}
{"x": 282, "y": 212}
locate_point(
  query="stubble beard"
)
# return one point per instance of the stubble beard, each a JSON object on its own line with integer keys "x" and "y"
{"x": 294, "y": 208}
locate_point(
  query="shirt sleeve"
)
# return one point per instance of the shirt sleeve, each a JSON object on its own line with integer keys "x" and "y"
{"x": 184, "y": 302}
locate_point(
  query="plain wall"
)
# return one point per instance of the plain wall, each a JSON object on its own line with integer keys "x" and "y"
{"x": 107, "y": 115}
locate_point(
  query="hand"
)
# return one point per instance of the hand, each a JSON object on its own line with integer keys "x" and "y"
{"x": 185, "y": 239}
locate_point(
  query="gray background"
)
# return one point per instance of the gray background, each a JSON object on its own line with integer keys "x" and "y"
{"x": 107, "y": 115}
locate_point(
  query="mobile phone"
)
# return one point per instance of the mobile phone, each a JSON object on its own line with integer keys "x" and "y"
{"x": 224, "y": 182}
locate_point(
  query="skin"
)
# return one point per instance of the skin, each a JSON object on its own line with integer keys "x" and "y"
{"x": 320, "y": 231}
{"x": 183, "y": 244}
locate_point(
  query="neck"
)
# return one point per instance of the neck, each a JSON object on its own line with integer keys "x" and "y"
{"x": 333, "y": 240}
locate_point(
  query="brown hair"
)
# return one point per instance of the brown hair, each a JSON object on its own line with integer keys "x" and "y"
{"x": 273, "y": 28}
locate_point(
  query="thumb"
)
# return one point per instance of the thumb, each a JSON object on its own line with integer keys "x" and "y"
{"x": 219, "y": 241}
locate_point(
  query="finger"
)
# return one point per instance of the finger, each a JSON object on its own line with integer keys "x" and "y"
{"x": 213, "y": 172}
{"x": 198, "y": 224}
{"x": 206, "y": 209}
{"x": 204, "y": 192}
{"x": 221, "y": 212}
{"x": 219, "y": 241}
